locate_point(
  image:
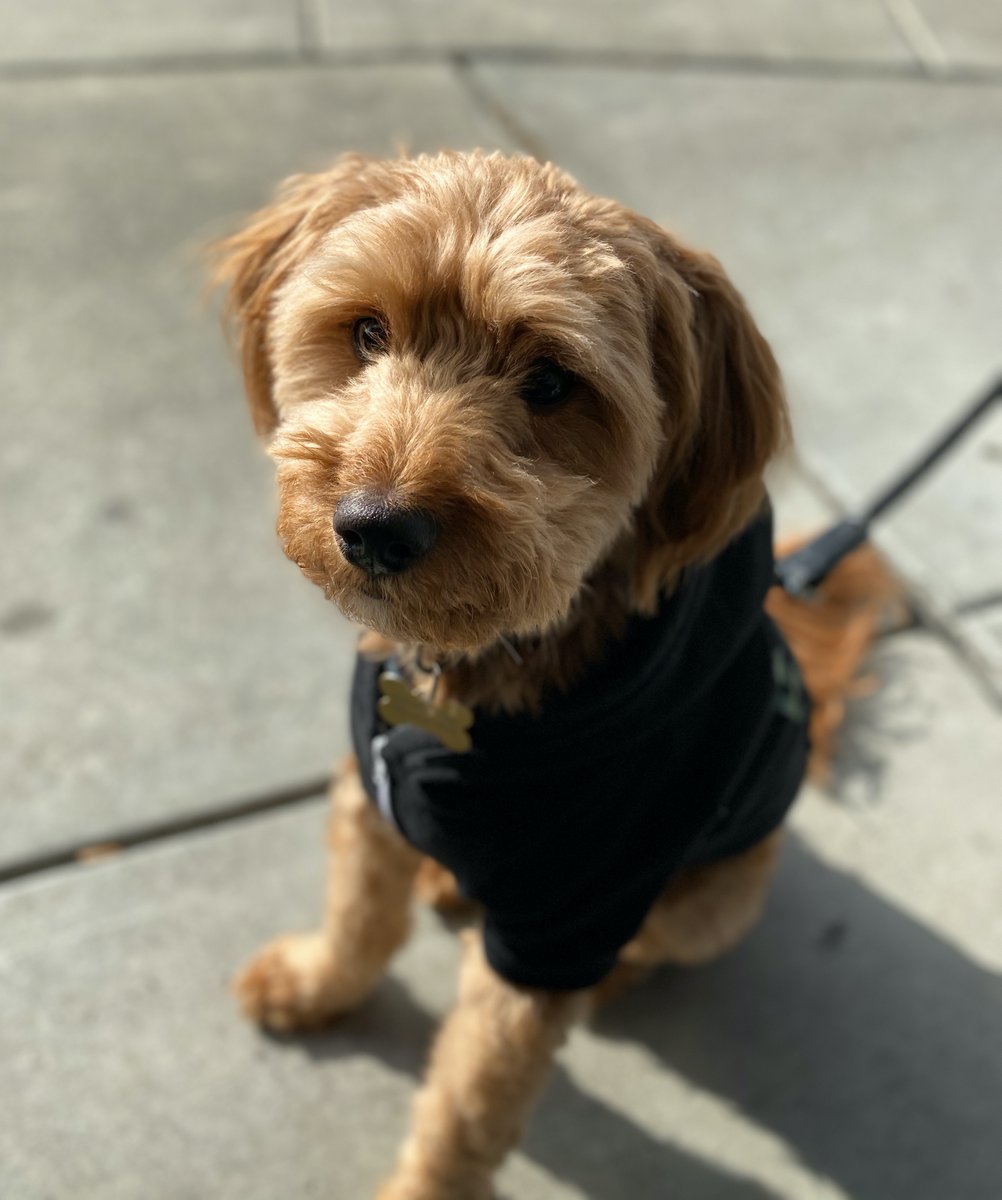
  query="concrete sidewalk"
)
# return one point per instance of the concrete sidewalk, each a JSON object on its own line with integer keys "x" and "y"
{"x": 163, "y": 668}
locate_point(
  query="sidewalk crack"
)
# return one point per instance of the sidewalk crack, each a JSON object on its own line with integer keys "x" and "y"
{"x": 919, "y": 35}
{"x": 309, "y": 18}
{"x": 110, "y": 843}
{"x": 494, "y": 109}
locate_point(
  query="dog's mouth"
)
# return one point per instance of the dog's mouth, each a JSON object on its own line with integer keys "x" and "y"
{"x": 437, "y": 624}
{"x": 459, "y": 601}
{"x": 372, "y": 589}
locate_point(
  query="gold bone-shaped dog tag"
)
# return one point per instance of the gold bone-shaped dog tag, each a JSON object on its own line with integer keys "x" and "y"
{"x": 398, "y": 705}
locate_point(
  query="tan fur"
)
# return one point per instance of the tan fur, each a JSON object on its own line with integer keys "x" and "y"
{"x": 300, "y": 981}
{"x": 436, "y": 886}
{"x": 489, "y": 1062}
{"x": 555, "y": 527}
{"x": 830, "y": 633}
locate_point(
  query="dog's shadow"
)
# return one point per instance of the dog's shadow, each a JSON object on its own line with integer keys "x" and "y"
{"x": 896, "y": 714}
{"x": 574, "y": 1135}
{"x": 865, "y": 1042}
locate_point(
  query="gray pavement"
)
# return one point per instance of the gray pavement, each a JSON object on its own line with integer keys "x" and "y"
{"x": 161, "y": 665}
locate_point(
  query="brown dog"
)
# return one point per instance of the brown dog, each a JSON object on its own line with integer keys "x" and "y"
{"x": 520, "y": 434}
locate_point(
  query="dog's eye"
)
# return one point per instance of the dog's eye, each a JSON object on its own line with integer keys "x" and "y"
{"x": 547, "y": 384}
{"x": 370, "y": 338}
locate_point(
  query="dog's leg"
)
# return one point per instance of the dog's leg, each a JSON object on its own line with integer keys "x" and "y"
{"x": 704, "y": 911}
{"x": 488, "y": 1064}
{"x": 436, "y": 886}
{"x": 302, "y": 980}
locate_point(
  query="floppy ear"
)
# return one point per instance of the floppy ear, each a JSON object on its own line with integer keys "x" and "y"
{"x": 253, "y": 263}
{"x": 715, "y": 369}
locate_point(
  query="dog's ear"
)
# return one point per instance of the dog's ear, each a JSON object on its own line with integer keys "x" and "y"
{"x": 253, "y": 263}
{"x": 725, "y": 417}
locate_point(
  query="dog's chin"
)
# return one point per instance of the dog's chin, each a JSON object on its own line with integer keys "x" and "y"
{"x": 465, "y": 629}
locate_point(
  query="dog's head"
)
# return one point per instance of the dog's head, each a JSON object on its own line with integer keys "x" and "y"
{"x": 477, "y": 381}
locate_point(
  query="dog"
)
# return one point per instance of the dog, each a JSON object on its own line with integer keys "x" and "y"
{"x": 520, "y": 434}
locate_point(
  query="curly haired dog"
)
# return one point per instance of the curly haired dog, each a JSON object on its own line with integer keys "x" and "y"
{"x": 520, "y": 435}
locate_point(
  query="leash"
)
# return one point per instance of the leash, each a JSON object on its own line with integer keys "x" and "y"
{"x": 800, "y": 573}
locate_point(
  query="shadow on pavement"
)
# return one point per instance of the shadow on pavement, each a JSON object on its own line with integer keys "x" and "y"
{"x": 866, "y": 1043}
{"x": 575, "y": 1136}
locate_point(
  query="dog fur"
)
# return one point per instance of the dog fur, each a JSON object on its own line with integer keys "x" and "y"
{"x": 557, "y": 526}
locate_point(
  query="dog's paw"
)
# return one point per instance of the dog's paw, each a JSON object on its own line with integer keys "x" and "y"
{"x": 417, "y": 1185}
{"x": 294, "y": 983}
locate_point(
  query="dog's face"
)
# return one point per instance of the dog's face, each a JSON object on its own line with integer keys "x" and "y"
{"x": 477, "y": 380}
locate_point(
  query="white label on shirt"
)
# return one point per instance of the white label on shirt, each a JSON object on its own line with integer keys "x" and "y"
{"x": 381, "y": 779}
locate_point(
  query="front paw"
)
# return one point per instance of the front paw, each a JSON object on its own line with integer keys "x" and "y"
{"x": 413, "y": 1183}
{"x": 294, "y": 983}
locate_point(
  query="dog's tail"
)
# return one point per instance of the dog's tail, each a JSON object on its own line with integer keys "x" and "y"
{"x": 830, "y": 635}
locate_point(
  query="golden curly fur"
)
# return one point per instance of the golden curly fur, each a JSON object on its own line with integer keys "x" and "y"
{"x": 556, "y": 525}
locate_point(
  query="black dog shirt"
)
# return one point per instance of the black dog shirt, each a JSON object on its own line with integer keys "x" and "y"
{"x": 687, "y": 744}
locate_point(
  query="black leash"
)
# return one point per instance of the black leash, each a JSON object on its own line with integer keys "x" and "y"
{"x": 800, "y": 572}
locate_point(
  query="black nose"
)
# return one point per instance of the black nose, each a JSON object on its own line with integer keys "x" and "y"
{"x": 381, "y": 536}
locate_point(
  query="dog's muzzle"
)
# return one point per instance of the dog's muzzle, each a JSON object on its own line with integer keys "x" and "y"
{"x": 382, "y": 537}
